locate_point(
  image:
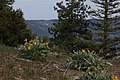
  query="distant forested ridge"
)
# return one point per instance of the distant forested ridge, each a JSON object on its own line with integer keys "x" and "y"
{"x": 41, "y": 27}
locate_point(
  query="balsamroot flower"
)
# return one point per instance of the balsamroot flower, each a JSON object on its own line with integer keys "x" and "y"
{"x": 30, "y": 46}
{"x": 88, "y": 51}
{"x": 41, "y": 41}
{"x": 47, "y": 44}
{"x": 35, "y": 43}
{"x": 21, "y": 46}
{"x": 115, "y": 78}
{"x": 37, "y": 37}
{"x": 83, "y": 50}
{"x": 25, "y": 40}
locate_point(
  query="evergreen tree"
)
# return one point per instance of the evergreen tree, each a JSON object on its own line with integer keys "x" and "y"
{"x": 6, "y": 4}
{"x": 71, "y": 29}
{"x": 108, "y": 16}
{"x": 13, "y": 29}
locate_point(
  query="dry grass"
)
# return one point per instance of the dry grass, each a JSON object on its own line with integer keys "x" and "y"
{"x": 54, "y": 67}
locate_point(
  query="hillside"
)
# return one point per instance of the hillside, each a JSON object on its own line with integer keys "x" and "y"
{"x": 53, "y": 67}
{"x": 40, "y": 26}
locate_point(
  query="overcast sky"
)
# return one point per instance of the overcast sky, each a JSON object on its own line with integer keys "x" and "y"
{"x": 39, "y": 9}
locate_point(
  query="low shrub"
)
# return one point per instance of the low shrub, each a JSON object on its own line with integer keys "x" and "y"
{"x": 35, "y": 49}
{"x": 84, "y": 60}
{"x": 100, "y": 75}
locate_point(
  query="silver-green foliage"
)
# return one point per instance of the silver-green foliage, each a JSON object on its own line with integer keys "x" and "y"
{"x": 100, "y": 75}
{"x": 34, "y": 50}
{"x": 84, "y": 60}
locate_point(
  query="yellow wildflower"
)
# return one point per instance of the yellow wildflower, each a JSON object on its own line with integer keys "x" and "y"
{"x": 37, "y": 37}
{"x": 31, "y": 44}
{"x": 41, "y": 41}
{"x": 47, "y": 44}
{"x": 25, "y": 40}
{"x": 89, "y": 68}
{"x": 108, "y": 54}
{"x": 88, "y": 51}
{"x": 30, "y": 47}
{"x": 89, "y": 72}
{"x": 115, "y": 78}
{"x": 83, "y": 50}
{"x": 21, "y": 46}
{"x": 35, "y": 43}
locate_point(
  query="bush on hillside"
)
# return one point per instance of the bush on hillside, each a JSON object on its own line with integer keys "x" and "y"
{"x": 34, "y": 49}
{"x": 84, "y": 60}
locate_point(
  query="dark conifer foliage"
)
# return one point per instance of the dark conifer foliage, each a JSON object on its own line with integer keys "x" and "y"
{"x": 6, "y": 4}
{"x": 108, "y": 15}
{"x": 72, "y": 27}
{"x": 13, "y": 29}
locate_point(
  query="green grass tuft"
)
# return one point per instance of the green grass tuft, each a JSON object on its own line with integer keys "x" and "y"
{"x": 6, "y": 50}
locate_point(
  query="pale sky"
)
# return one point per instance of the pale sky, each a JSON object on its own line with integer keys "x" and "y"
{"x": 39, "y": 9}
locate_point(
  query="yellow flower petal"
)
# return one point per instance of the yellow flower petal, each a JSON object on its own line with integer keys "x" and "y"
{"x": 88, "y": 51}
{"x": 108, "y": 54}
{"x": 89, "y": 72}
{"x": 89, "y": 68}
{"x": 21, "y": 46}
{"x": 115, "y": 78}
{"x": 30, "y": 46}
{"x": 41, "y": 41}
{"x": 37, "y": 37}
{"x": 47, "y": 44}
{"x": 35, "y": 43}
{"x": 25, "y": 40}
{"x": 83, "y": 50}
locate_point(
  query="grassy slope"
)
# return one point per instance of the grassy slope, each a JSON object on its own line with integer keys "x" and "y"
{"x": 12, "y": 67}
